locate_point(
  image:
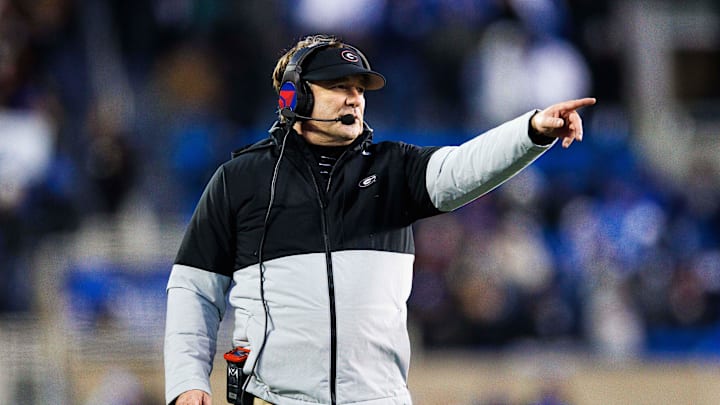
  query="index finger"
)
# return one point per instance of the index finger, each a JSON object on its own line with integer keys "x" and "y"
{"x": 575, "y": 104}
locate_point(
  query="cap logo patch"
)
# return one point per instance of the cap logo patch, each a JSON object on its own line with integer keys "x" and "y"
{"x": 349, "y": 56}
{"x": 288, "y": 96}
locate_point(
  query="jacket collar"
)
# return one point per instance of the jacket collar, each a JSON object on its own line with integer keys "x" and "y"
{"x": 278, "y": 130}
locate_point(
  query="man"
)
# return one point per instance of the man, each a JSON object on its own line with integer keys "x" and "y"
{"x": 309, "y": 234}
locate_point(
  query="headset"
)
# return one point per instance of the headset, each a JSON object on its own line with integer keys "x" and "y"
{"x": 295, "y": 94}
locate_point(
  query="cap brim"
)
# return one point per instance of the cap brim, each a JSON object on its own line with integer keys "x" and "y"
{"x": 375, "y": 81}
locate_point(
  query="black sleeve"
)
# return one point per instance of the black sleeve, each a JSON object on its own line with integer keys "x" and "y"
{"x": 209, "y": 241}
{"x": 416, "y": 161}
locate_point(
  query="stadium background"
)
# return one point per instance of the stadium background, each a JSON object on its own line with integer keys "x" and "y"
{"x": 591, "y": 278}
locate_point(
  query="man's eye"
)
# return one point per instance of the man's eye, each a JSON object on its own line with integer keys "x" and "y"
{"x": 345, "y": 86}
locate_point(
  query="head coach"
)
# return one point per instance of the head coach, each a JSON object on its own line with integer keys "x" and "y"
{"x": 307, "y": 236}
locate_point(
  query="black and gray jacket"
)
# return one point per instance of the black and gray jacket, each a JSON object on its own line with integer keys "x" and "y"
{"x": 338, "y": 262}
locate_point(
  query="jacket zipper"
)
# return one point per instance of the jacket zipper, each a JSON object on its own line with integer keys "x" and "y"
{"x": 331, "y": 289}
{"x": 327, "y": 188}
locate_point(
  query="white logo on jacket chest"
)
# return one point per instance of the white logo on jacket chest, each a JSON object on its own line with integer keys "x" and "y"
{"x": 367, "y": 181}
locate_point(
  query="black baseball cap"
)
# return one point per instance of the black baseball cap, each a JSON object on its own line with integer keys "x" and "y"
{"x": 333, "y": 63}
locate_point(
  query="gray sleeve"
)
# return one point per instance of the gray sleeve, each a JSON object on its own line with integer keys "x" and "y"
{"x": 195, "y": 306}
{"x": 457, "y": 175}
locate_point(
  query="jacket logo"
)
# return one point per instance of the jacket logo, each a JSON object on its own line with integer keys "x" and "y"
{"x": 367, "y": 181}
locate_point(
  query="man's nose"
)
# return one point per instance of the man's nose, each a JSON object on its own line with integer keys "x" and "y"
{"x": 354, "y": 97}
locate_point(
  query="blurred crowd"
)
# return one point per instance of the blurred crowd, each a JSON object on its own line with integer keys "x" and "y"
{"x": 106, "y": 104}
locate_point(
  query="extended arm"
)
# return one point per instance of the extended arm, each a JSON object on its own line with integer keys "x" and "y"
{"x": 457, "y": 175}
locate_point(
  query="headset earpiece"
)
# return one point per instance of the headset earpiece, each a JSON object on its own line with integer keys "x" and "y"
{"x": 295, "y": 94}
{"x": 308, "y": 99}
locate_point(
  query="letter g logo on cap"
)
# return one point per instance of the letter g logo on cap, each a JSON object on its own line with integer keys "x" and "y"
{"x": 349, "y": 56}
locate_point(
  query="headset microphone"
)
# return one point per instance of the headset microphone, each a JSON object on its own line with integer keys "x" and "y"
{"x": 347, "y": 119}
